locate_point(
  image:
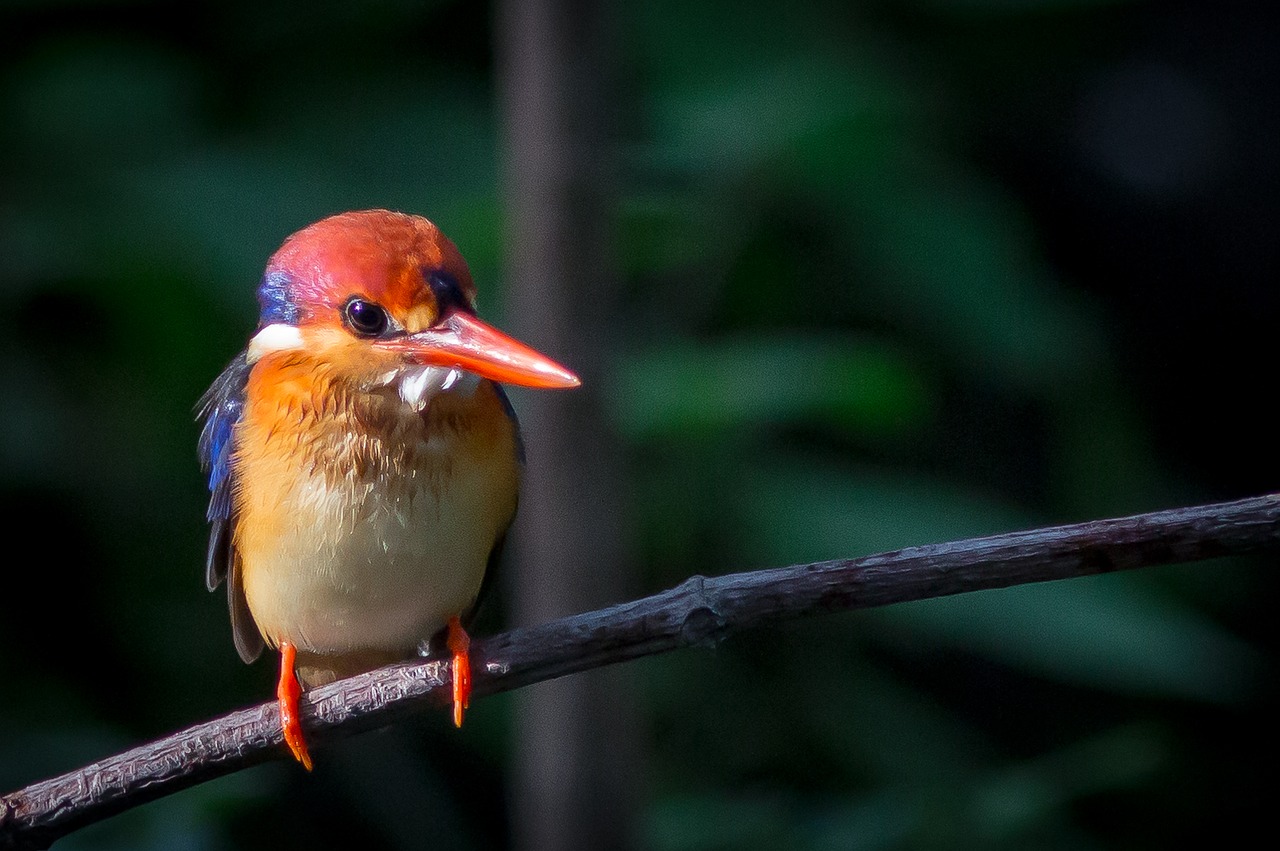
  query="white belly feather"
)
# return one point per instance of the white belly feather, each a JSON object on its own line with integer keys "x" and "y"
{"x": 377, "y": 562}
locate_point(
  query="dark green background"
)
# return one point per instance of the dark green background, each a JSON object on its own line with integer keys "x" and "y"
{"x": 894, "y": 273}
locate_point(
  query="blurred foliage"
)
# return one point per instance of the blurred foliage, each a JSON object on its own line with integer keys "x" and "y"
{"x": 896, "y": 273}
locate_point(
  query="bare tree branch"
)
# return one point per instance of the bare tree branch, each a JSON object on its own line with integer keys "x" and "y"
{"x": 699, "y": 610}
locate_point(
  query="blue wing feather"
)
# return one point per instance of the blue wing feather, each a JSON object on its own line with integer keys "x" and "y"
{"x": 220, "y": 409}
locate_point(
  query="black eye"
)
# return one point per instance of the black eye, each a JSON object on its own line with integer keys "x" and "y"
{"x": 365, "y": 318}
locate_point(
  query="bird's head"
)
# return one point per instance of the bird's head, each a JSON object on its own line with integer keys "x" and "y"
{"x": 384, "y": 300}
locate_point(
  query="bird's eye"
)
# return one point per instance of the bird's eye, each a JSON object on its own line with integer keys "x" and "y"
{"x": 365, "y": 318}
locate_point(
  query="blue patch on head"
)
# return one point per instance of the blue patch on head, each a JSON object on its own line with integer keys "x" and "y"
{"x": 276, "y": 299}
{"x": 447, "y": 291}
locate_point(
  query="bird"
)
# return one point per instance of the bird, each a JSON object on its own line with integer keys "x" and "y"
{"x": 363, "y": 461}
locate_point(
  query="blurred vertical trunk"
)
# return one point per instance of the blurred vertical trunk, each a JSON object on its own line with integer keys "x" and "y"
{"x": 576, "y": 770}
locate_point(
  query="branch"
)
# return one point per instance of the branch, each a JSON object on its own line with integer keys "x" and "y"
{"x": 698, "y": 611}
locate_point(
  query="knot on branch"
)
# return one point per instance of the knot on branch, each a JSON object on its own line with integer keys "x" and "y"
{"x": 703, "y": 624}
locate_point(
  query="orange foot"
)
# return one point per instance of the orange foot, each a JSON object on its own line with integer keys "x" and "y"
{"x": 288, "y": 693}
{"x": 460, "y": 645}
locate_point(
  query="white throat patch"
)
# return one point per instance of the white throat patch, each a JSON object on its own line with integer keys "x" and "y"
{"x": 418, "y": 385}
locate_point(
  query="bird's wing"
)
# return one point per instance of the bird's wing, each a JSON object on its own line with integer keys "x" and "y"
{"x": 495, "y": 554}
{"x": 505, "y": 401}
{"x": 220, "y": 409}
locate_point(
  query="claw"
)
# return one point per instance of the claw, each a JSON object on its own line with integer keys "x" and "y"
{"x": 288, "y": 692}
{"x": 460, "y": 645}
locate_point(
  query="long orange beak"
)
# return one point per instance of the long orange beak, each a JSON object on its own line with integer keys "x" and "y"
{"x": 464, "y": 342}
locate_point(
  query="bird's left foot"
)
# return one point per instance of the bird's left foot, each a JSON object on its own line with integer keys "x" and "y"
{"x": 288, "y": 693}
{"x": 460, "y": 646}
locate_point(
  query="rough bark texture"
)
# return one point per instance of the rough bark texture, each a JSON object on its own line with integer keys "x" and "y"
{"x": 699, "y": 611}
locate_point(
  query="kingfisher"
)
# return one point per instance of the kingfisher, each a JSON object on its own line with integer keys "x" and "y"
{"x": 363, "y": 460}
